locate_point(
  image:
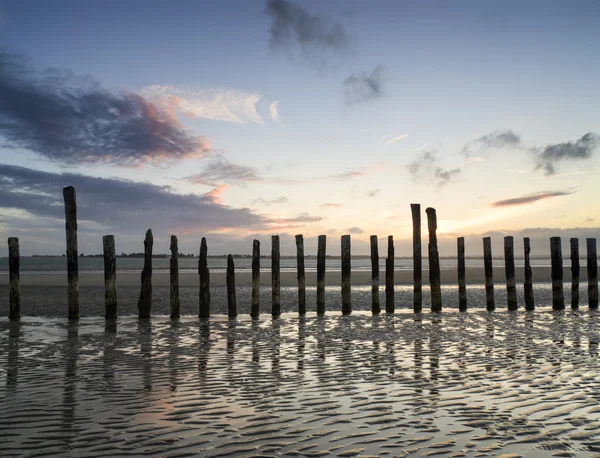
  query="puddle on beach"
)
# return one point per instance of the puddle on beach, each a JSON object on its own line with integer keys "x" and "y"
{"x": 451, "y": 384}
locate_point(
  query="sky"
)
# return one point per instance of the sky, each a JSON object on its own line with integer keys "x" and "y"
{"x": 237, "y": 120}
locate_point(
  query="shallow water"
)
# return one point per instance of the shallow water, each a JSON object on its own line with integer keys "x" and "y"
{"x": 449, "y": 384}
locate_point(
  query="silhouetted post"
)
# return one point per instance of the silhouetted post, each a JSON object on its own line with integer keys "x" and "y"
{"x": 509, "y": 269}
{"x": 575, "y": 269}
{"x": 203, "y": 272}
{"x": 110, "y": 276}
{"x": 321, "y": 248}
{"x": 174, "y": 283}
{"x": 592, "y": 268}
{"x": 301, "y": 277}
{"x": 254, "y": 312}
{"x": 375, "y": 309}
{"x": 389, "y": 276}
{"x": 417, "y": 260}
{"x": 145, "y": 300}
{"x": 462, "y": 284}
{"x": 72, "y": 258}
{"x": 14, "y": 261}
{"x": 275, "y": 277}
{"x": 346, "y": 292}
{"x": 489, "y": 273}
{"x": 230, "y": 279}
{"x": 434, "y": 261}
{"x": 529, "y": 303}
{"x": 558, "y": 299}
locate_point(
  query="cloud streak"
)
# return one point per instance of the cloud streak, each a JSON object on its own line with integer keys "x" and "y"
{"x": 365, "y": 87}
{"x": 395, "y": 139}
{"x": 548, "y": 157}
{"x": 530, "y": 198}
{"x": 426, "y": 168}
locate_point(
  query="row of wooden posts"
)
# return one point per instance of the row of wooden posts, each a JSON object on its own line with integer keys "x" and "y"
{"x": 145, "y": 298}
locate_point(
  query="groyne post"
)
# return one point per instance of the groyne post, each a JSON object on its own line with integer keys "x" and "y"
{"x": 145, "y": 299}
{"x": 434, "y": 261}
{"x": 110, "y": 276}
{"x": 301, "y": 276}
{"x": 346, "y": 273}
{"x": 230, "y": 280}
{"x": 489, "y": 273}
{"x": 254, "y": 311}
{"x": 14, "y": 260}
{"x": 509, "y": 269}
{"x": 461, "y": 268}
{"x": 389, "y": 276}
{"x": 321, "y": 248}
{"x": 204, "y": 274}
{"x": 72, "y": 256}
{"x": 417, "y": 258}
{"x": 558, "y": 299}
{"x": 275, "y": 277}
{"x": 528, "y": 285}
{"x": 174, "y": 278}
{"x": 592, "y": 269}
{"x": 575, "y": 270}
{"x": 375, "y": 308}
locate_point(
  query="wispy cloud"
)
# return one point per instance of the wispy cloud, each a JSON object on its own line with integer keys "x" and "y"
{"x": 215, "y": 195}
{"x": 548, "y": 157}
{"x": 365, "y": 86}
{"x": 277, "y": 200}
{"x": 331, "y": 205}
{"x": 355, "y": 230}
{"x": 395, "y": 139}
{"x": 426, "y": 167}
{"x": 530, "y": 198}
{"x": 274, "y": 113}
{"x": 498, "y": 139}
{"x": 373, "y": 192}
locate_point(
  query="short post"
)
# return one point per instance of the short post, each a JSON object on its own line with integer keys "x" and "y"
{"x": 254, "y": 312}
{"x": 72, "y": 257}
{"x": 145, "y": 300}
{"x": 14, "y": 261}
{"x": 346, "y": 272}
{"x": 489, "y": 273}
{"x": 230, "y": 279}
{"x": 321, "y": 248}
{"x": 204, "y": 273}
{"x": 592, "y": 268}
{"x": 558, "y": 299}
{"x": 301, "y": 277}
{"x": 110, "y": 277}
{"x": 434, "y": 261}
{"x": 509, "y": 269}
{"x": 417, "y": 259}
{"x": 275, "y": 277}
{"x": 462, "y": 283}
{"x": 529, "y": 303}
{"x": 174, "y": 278}
{"x": 389, "y": 276}
{"x": 375, "y": 308}
{"x": 575, "y": 269}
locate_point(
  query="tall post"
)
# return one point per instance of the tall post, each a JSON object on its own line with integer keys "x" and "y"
{"x": 254, "y": 312}
{"x": 321, "y": 249}
{"x": 230, "y": 279}
{"x": 145, "y": 300}
{"x": 110, "y": 276}
{"x": 346, "y": 273}
{"x": 462, "y": 283}
{"x": 417, "y": 259}
{"x": 14, "y": 261}
{"x": 204, "y": 273}
{"x": 509, "y": 269}
{"x": 275, "y": 277}
{"x": 301, "y": 277}
{"x": 592, "y": 268}
{"x": 375, "y": 309}
{"x": 389, "y": 276}
{"x": 434, "y": 261}
{"x": 489, "y": 273}
{"x": 72, "y": 257}
{"x": 575, "y": 269}
{"x": 529, "y": 303}
{"x": 174, "y": 277}
{"x": 558, "y": 299}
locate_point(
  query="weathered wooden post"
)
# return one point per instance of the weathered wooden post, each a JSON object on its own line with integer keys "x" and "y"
{"x": 254, "y": 312}
{"x": 174, "y": 277}
{"x": 462, "y": 283}
{"x": 110, "y": 276}
{"x": 301, "y": 277}
{"x": 375, "y": 309}
{"x": 14, "y": 260}
{"x": 145, "y": 300}
{"x": 434, "y": 261}
{"x": 509, "y": 269}
{"x": 203, "y": 272}
{"x": 575, "y": 269}
{"x": 389, "y": 276}
{"x": 346, "y": 273}
{"x": 489, "y": 273}
{"x": 417, "y": 260}
{"x": 72, "y": 257}
{"x": 592, "y": 268}
{"x": 558, "y": 299}
{"x": 230, "y": 279}
{"x": 321, "y": 248}
{"x": 529, "y": 303}
{"x": 275, "y": 277}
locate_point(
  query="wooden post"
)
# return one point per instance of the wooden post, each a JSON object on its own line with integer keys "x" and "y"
{"x": 575, "y": 269}
{"x": 489, "y": 273}
{"x": 417, "y": 260}
{"x": 145, "y": 300}
{"x": 254, "y": 312}
{"x": 375, "y": 309}
{"x": 346, "y": 273}
{"x": 462, "y": 284}
{"x": 14, "y": 260}
{"x": 529, "y": 303}
{"x": 509, "y": 269}
{"x": 301, "y": 277}
{"x": 321, "y": 249}
{"x": 592, "y": 268}
{"x": 558, "y": 299}
{"x": 110, "y": 276}
{"x": 389, "y": 276}
{"x": 72, "y": 257}
{"x": 434, "y": 261}
{"x": 230, "y": 279}
{"x": 203, "y": 272}
{"x": 174, "y": 283}
{"x": 275, "y": 277}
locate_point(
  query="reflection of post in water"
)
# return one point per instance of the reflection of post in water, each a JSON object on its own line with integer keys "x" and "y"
{"x": 173, "y": 353}
{"x": 376, "y": 333}
{"x": 435, "y": 348}
{"x": 418, "y": 356}
{"x": 301, "y": 344}
{"x": 230, "y": 343}
{"x": 512, "y": 340}
{"x": 528, "y": 344}
{"x": 203, "y": 346}
{"x": 389, "y": 345}
{"x": 463, "y": 334}
{"x": 255, "y": 339}
{"x": 276, "y": 351}
{"x": 489, "y": 339}
{"x": 70, "y": 385}
{"x": 145, "y": 333}
{"x": 321, "y": 338}
{"x": 558, "y": 339}
{"x": 109, "y": 357}
{"x": 12, "y": 371}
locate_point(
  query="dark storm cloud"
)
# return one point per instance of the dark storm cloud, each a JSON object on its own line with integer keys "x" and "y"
{"x": 365, "y": 86}
{"x": 426, "y": 168}
{"x": 530, "y": 198}
{"x": 73, "y": 120}
{"x": 548, "y": 156}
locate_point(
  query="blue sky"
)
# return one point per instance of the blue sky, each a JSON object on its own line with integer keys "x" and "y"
{"x": 301, "y": 117}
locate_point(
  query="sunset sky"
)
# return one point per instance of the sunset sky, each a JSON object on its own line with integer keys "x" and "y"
{"x": 237, "y": 120}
